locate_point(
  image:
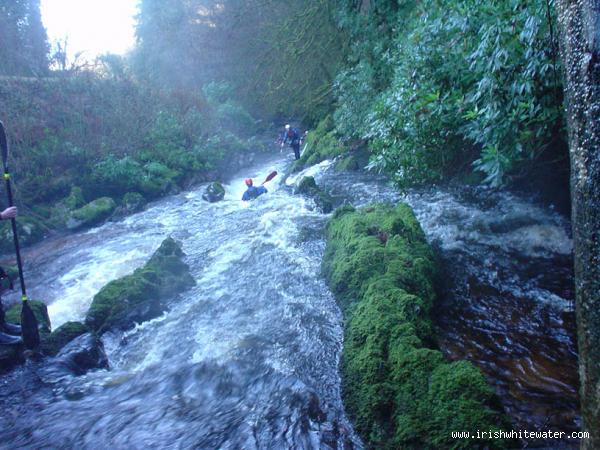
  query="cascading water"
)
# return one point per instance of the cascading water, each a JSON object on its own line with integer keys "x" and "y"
{"x": 246, "y": 359}
{"x": 249, "y": 357}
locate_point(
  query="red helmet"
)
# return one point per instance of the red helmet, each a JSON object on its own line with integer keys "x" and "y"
{"x": 248, "y": 181}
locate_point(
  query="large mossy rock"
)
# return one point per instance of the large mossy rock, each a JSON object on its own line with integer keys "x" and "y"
{"x": 398, "y": 389}
{"x": 214, "y": 192}
{"x": 307, "y": 186}
{"x": 30, "y": 231}
{"x": 60, "y": 337}
{"x": 91, "y": 214}
{"x": 140, "y": 296}
{"x": 131, "y": 203}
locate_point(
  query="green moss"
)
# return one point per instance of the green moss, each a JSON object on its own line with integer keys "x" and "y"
{"x": 347, "y": 164}
{"x": 92, "y": 213}
{"x": 60, "y": 337}
{"x": 75, "y": 199}
{"x": 133, "y": 202}
{"x": 139, "y": 296}
{"x": 399, "y": 392}
{"x": 308, "y": 187}
{"x": 214, "y": 192}
{"x": 321, "y": 143}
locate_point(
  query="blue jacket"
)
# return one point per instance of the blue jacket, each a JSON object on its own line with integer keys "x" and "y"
{"x": 291, "y": 136}
{"x": 253, "y": 192}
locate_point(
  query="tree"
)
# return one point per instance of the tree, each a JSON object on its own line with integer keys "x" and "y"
{"x": 24, "y": 48}
{"x": 580, "y": 50}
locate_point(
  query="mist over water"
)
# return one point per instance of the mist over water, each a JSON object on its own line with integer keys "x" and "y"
{"x": 249, "y": 357}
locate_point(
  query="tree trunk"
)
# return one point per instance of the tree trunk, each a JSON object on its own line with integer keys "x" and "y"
{"x": 580, "y": 51}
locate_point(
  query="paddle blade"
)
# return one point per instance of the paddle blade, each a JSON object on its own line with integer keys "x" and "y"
{"x": 270, "y": 177}
{"x": 29, "y": 327}
{"x": 3, "y": 144}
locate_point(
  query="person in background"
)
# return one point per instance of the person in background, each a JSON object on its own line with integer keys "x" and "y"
{"x": 252, "y": 192}
{"x": 292, "y": 137}
{"x": 9, "y": 334}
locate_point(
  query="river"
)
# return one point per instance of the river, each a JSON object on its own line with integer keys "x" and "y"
{"x": 249, "y": 357}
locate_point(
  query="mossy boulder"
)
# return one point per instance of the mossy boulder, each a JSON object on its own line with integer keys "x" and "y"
{"x": 398, "y": 388}
{"x": 214, "y": 192}
{"x": 60, "y": 337}
{"x": 308, "y": 187}
{"x": 30, "y": 230}
{"x": 92, "y": 213}
{"x": 140, "y": 296}
{"x": 131, "y": 203}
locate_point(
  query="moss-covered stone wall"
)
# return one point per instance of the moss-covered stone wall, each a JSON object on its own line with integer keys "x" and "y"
{"x": 398, "y": 389}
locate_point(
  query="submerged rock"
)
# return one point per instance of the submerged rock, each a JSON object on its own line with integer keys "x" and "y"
{"x": 91, "y": 214}
{"x": 84, "y": 353}
{"x": 307, "y": 186}
{"x": 10, "y": 356}
{"x": 140, "y": 296}
{"x": 380, "y": 267}
{"x": 214, "y": 192}
{"x": 30, "y": 231}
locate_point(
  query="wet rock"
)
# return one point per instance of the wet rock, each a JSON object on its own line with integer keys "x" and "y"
{"x": 132, "y": 202}
{"x": 354, "y": 160}
{"x": 307, "y": 186}
{"x": 511, "y": 222}
{"x": 214, "y": 192}
{"x": 62, "y": 336}
{"x": 30, "y": 231}
{"x": 140, "y": 296}
{"x": 10, "y": 356}
{"x": 84, "y": 353}
{"x": 91, "y": 214}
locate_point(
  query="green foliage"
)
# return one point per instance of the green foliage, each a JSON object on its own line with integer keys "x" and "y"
{"x": 321, "y": 143}
{"x": 399, "y": 392}
{"x": 459, "y": 79}
{"x": 75, "y": 199}
{"x": 279, "y": 58}
{"x": 217, "y": 92}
